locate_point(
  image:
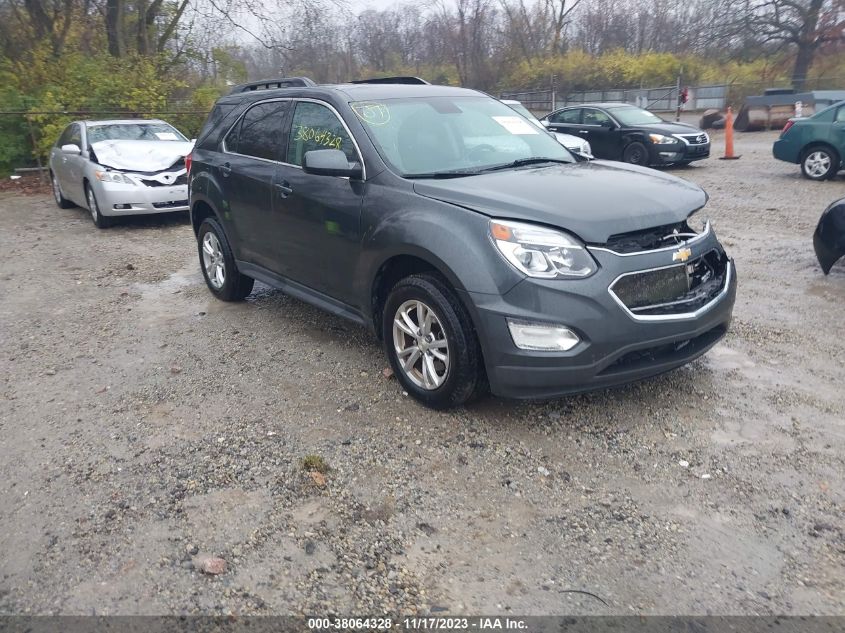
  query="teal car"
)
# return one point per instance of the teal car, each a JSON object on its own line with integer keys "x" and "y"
{"x": 817, "y": 143}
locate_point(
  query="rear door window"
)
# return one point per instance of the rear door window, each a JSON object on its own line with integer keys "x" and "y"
{"x": 572, "y": 117}
{"x": 315, "y": 127}
{"x": 261, "y": 131}
{"x": 840, "y": 115}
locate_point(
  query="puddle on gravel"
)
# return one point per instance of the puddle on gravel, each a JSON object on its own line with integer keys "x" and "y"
{"x": 159, "y": 303}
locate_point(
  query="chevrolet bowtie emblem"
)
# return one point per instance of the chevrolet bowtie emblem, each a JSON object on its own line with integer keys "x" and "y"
{"x": 681, "y": 255}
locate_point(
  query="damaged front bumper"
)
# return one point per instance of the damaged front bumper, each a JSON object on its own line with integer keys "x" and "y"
{"x": 148, "y": 193}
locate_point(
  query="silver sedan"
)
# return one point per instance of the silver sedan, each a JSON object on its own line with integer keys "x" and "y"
{"x": 120, "y": 167}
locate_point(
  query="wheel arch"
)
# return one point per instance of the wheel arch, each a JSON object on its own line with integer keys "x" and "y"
{"x": 398, "y": 266}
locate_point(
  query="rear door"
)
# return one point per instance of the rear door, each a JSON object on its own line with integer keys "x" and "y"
{"x": 566, "y": 121}
{"x": 318, "y": 217}
{"x": 247, "y": 171}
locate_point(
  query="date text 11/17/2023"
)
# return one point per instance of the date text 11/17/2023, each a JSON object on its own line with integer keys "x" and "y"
{"x": 419, "y": 624}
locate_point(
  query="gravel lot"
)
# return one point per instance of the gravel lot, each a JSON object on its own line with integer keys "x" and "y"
{"x": 145, "y": 425}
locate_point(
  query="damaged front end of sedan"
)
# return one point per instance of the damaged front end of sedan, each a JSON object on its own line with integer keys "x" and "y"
{"x": 137, "y": 177}
{"x": 829, "y": 238}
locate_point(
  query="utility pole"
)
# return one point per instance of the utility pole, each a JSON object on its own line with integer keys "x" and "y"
{"x": 678, "y": 94}
{"x": 554, "y": 95}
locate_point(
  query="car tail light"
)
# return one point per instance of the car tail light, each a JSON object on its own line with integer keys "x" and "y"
{"x": 786, "y": 127}
{"x": 188, "y": 161}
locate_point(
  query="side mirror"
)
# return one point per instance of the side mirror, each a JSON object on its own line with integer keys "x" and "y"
{"x": 545, "y": 122}
{"x": 71, "y": 148}
{"x": 330, "y": 162}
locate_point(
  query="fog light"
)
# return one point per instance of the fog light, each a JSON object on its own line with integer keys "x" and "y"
{"x": 542, "y": 337}
{"x": 122, "y": 206}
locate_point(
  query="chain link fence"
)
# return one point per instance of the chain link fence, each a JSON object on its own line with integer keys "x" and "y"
{"x": 661, "y": 98}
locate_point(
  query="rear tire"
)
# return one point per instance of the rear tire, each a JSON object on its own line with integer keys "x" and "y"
{"x": 636, "y": 154}
{"x": 218, "y": 264}
{"x": 100, "y": 221}
{"x": 819, "y": 162}
{"x": 61, "y": 201}
{"x": 437, "y": 361}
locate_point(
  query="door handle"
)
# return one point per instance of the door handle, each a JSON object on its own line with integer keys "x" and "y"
{"x": 225, "y": 169}
{"x": 284, "y": 189}
{"x": 583, "y": 131}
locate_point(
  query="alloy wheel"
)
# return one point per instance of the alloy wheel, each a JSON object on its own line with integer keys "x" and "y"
{"x": 92, "y": 204}
{"x": 57, "y": 191}
{"x": 212, "y": 260}
{"x": 817, "y": 164}
{"x": 420, "y": 344}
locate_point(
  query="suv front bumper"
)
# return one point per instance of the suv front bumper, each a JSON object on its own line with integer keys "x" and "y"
{"x": 615, "y": 347}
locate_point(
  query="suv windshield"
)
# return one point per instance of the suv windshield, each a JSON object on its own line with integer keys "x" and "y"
{"x": 133, "y": 132}
{"x": 431, "y": 136}
{"x": 632, "y": 115}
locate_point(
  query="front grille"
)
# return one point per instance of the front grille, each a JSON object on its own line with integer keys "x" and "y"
{"x": 647, "y": 239}
{"x": 696, "y": 139}
{"x": 170, "y": 205}
{"x": 180, "y": 180}
{"x": 674, "y": 290}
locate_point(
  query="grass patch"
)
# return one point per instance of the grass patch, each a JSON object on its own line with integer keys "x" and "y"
{"x": 315, "y": 463}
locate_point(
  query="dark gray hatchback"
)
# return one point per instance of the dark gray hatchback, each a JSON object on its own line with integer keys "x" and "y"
{"x": 476, "y": 246}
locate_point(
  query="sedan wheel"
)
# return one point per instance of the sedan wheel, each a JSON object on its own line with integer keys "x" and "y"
{"x": 212, "y": 260}
{"x": 818, "y": 164}
{"x": 61, "y": 201}
{"x": 99, "y": 219}
{"x": 421, "y": 345}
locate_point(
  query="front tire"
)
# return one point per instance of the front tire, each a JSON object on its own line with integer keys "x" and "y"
{"x": 100, "y": 221}
{"x": 819, "y": 163}
{"x": 61, "y": 201}
{"x": 431, "y": 343}
{"x": 636, "y": 154}
{"x": 218, "y": 264}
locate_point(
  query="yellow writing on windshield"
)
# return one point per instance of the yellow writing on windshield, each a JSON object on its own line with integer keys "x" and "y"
{"x": 321, "y": 137}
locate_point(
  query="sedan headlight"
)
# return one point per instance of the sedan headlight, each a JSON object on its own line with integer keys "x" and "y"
{"x": 541, "y": 252}
{"x": 660, "y": 139}
{"x": 114, "y": 176}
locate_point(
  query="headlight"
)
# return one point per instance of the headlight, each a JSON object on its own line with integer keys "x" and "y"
{"x": 586, "y": 149}
{"x": 541, "y": 252}
{"x": 659, "y": 139}
{"x": 698, "y": 222}
{"x": 113, "y": 176}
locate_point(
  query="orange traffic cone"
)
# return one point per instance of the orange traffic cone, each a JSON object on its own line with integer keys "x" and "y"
{"x": 729, "y": 136}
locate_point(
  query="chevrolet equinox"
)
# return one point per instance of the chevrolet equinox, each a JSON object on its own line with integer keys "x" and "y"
{"x": 478, "y": 249}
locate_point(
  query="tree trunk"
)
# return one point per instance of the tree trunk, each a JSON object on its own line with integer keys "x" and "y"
{"x": 114, "y": 27}
{"x": 807, "y": 44}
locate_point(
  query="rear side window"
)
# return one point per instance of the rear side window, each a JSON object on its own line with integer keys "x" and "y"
{"x": 316, "y": 127}
{"x": 840, "y": 115}
{"x": 260, "y": 132}
{"x": 215, "y": 117}
{"x": 567, "y": 116}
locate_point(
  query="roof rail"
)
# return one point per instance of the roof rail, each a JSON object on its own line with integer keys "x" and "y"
{"x": 392, "y": 80}
{"x": 272, "y": 84}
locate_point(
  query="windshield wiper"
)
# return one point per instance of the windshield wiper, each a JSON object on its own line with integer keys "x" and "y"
{"x": 455, "y": 173}
{"x": 521, "y": 162}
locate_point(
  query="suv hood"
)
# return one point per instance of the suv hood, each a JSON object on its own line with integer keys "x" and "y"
{"x": 593, "y": 199}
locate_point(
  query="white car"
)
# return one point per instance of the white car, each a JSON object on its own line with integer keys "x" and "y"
{"x": 120, "y": 167}
{"x": 572, "y": 143}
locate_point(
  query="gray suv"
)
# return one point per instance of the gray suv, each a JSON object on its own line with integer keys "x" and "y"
{"x": 479, "y": 249}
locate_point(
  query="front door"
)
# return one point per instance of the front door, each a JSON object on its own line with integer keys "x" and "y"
{"x": 600, "y": 130}
{"x": 319, "y": 216}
